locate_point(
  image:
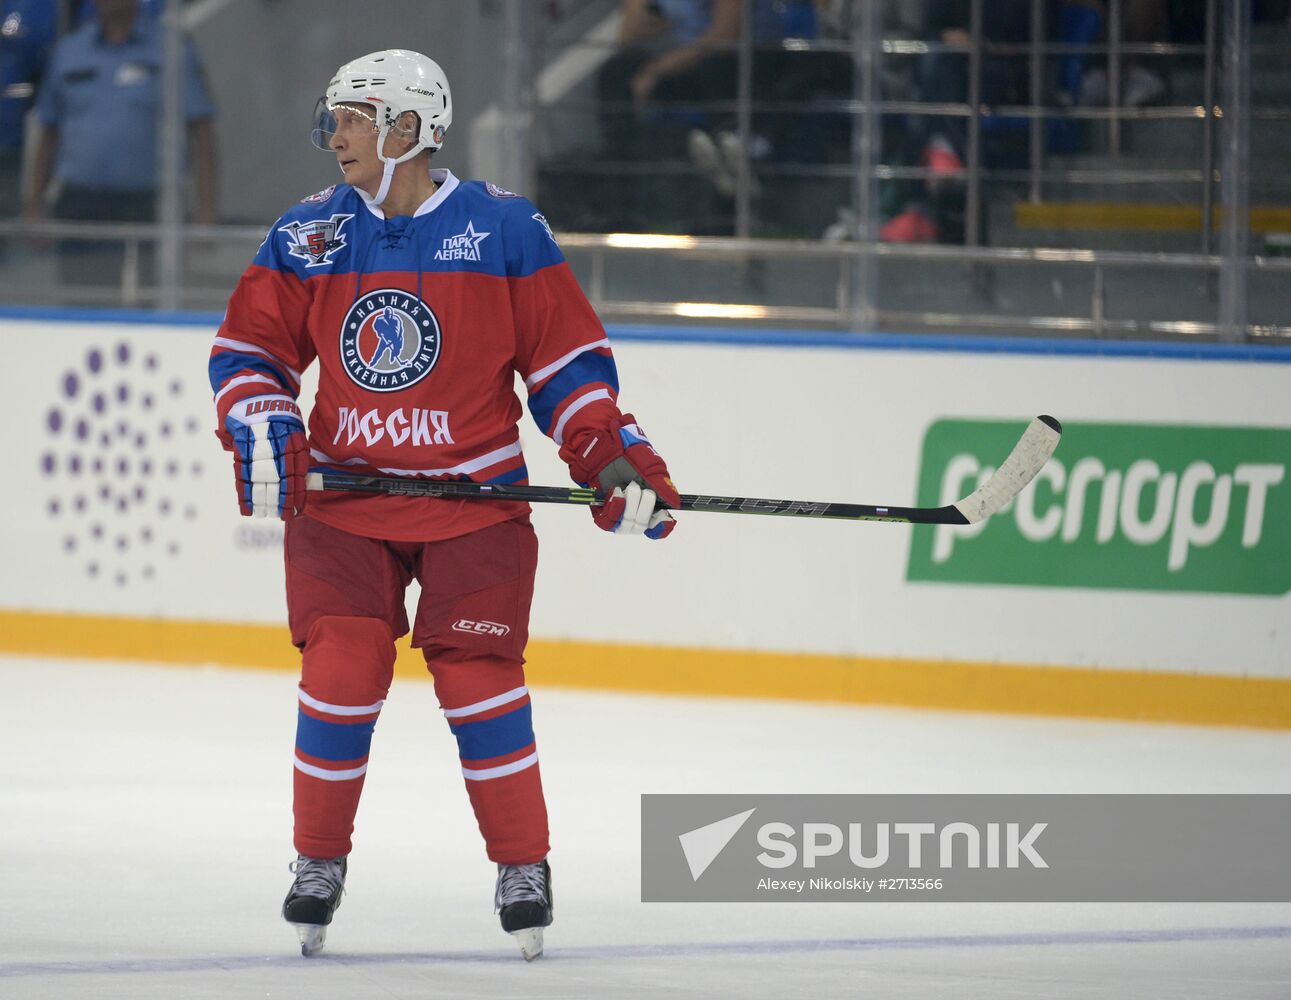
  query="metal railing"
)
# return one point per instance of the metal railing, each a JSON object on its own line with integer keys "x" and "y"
{"x": 606, "y": 262}
{"x": 979, "y": 263}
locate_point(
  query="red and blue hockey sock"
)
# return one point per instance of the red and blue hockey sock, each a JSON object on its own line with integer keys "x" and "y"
{"x": 346, "y": 668}
{"x": 487, "y": 707}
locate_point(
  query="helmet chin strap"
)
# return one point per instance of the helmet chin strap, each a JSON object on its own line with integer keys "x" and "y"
{"x": 386, "y": 176}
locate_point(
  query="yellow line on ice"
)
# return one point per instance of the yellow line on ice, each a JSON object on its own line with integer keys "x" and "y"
{"x": 1144, "y": 695}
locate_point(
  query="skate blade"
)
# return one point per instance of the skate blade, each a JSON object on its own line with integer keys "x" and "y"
{"x": 530, "y": 941}
{"x": 312, "y": 937}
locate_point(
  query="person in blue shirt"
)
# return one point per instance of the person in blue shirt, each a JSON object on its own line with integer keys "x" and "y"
{"x": 27, "y": 32}
{"x": 99, "y": 110}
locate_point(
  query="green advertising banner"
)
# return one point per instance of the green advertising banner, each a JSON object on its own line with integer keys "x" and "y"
{"x": 1123, "y": 506}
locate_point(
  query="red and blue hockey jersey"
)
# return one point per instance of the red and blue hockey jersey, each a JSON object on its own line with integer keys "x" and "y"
{"x": 418, "y": 325}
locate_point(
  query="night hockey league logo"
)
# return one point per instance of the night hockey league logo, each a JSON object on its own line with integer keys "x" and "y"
{"x": 316, "y": 241}
{"x": 390, "y": 340}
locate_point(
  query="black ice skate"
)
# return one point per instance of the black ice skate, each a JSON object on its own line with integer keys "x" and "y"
{"x": 313, "y": 898}
{"x": 523, "y": 899}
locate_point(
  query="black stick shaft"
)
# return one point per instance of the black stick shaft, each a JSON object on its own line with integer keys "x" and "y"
{"x": 395, "y": 486}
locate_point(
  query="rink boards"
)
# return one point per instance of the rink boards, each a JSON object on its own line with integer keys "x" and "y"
{"x": 1144, "y": 575}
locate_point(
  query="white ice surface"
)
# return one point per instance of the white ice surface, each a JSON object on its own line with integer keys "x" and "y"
{"x": 145, "y": 832}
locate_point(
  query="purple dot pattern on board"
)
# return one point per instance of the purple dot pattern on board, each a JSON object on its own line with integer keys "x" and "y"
{"x": 113, "y": 446}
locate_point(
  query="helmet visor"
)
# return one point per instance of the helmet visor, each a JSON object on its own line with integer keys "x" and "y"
{"x": 348, "y": 119}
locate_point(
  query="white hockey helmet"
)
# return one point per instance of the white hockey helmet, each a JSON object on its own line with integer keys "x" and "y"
{"x": 392, "y": 82}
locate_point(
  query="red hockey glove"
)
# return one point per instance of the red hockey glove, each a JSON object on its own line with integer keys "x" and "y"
{"x": 621, "y": 459}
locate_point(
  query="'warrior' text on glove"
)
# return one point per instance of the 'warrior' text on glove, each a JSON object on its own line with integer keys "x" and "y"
{"x": 270, "y": 457}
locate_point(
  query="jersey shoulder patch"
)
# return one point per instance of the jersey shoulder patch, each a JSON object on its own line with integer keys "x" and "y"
{"x": 498, "y": 192}
{"x": 319, "y": 227}
{"x": 315, "y": 240}
{"x": 318, "y": 197}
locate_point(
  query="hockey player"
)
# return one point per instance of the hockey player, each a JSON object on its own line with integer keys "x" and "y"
{"x": 419, "y": 296}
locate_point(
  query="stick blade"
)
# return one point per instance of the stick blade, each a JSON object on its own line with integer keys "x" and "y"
{"x": 1024, "y": 463}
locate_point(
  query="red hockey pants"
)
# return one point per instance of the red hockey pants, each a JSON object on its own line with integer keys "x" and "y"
{"x": 345, "y": 606}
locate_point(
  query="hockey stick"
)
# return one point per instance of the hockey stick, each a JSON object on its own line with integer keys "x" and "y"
{"x": 1025, "y": 460}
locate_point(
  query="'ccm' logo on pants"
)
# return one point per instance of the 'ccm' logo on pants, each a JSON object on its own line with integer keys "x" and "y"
{"x": 480, "y": 628}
